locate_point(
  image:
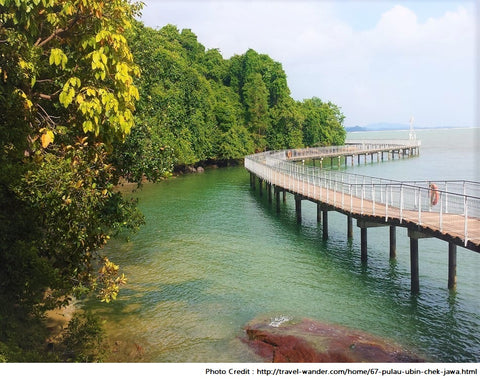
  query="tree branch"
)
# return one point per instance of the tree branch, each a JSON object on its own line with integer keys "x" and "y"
{"x": 56, "y": 32}
{"x": 47, "y": 116}
{"x": 40, "y": 43}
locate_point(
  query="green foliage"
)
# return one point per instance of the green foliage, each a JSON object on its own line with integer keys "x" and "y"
{"x": 83, "y": 340}
{"x": 287, "y": 131}
{"x": 323, "y": 123}
{"x": 71, "y": 93}
{"x": 67, "y": 96}
{"x": 195, "y": 105}
{"x": 235, "y": 143}
{"x": 145, "y": 154}
{"x": 177, "y": 104}
{"x": 255, "y": 95}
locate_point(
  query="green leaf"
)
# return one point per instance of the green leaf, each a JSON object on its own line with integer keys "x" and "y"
{"x": 58, "y": 57}
{"x": 87, "y": 126}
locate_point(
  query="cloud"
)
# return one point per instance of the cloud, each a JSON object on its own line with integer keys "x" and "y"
{"x": 398, "y": 68}
{"x": 423, "y": 68}
{"x": 393, "y": 68}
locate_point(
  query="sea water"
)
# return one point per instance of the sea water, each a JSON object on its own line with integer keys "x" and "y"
{"x": 214, "y": 255}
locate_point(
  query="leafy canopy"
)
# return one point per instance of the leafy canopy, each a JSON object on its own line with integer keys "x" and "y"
{"x": 69, "y": 59}
{"x": 197, "y": 106}
{"x": 67, "y": 95}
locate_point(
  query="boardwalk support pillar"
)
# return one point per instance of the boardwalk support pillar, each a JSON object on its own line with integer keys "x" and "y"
{"x": 276, "y": 190}
{"x": 325, "y": 224}
{"x": 364, "y": 224}
{"x": 260, "y": 185}
{"x": 349, "y": 227}
{"x": 298, "y": 208}
{"x": 393, "y": 243}
{"x": 363, "y": 244}
{"x": 452, "y": 265}
{"x": 324, "y": 208}
{"x": 319, "y": 213}
{"x": 415, "y": 279}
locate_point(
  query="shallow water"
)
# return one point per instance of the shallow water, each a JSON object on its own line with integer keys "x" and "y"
{"x": 214, "y": 255}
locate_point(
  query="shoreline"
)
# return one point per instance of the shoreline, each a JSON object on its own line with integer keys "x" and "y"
{"x": 180, "y": 170}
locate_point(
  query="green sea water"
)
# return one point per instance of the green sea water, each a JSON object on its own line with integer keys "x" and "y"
{"x": 214, "y": 255}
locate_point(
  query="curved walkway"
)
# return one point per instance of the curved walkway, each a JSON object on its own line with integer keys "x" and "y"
{"x": 450, "y": 213}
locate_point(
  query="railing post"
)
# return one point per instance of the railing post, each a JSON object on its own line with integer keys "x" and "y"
{"x": 446, "y": 197}
{"x": 441, "y": 212}
{"x": 327, "y": 183}
{"x": 314, "y": 184}
{"x": 320, "y": 185}
{"x": 420, "y": 207}
{"x": 373, "y": 199}
{"x": 361, "y": 203}
{"x": 303, "y": 180}
{"x": 391, "y": 195}
{"x": 466, "y": 217}
{"x": 335, "y": 193}
{"x": 401, "y": 203}
{"x": 298, "y": 179}
{"x": 351, "y": 197}
{"x": 295, "y": 179}
{"x": 386, "y": 202}
{"x": 276, "y": 177}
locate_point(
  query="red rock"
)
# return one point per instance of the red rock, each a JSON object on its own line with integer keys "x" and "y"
{"x": 309, "y": 341}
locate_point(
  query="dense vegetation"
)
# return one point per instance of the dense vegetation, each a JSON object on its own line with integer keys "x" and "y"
{"x": 197, "y": 106}
{"x": 67, "y": 97}
{"x": 88, "y": 96}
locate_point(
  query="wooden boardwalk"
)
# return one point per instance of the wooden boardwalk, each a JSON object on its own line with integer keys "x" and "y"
{"x": 450, "y": 212}
{"x": 449, "y": 227}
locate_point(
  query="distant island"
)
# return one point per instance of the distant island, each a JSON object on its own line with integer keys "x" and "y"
{"x": 390, "y": 127}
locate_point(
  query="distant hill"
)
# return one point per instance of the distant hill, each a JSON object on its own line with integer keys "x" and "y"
{"x": 355, "y": 129}
{"x": 387, "y": 127}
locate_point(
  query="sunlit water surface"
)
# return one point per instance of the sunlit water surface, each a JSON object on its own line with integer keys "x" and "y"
{"x": 213, "y": 255}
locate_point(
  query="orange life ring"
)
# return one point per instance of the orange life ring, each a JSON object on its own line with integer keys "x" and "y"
{"x": 433, "y": 194}
{"x": 289, "y": 154}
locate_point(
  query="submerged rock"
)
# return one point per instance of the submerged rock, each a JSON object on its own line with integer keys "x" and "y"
{"x": 306, "y": 341}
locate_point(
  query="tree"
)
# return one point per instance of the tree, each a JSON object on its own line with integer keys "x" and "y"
{"x": 323, "y": 123}
{"x": 68, "y": 95}
{"x": 286, "y": 126}
{"x": 235, "y": 143}
{"x": 214, "y": 66}
{"x": 255, "y": 95}
{"x": 177, "y": 100}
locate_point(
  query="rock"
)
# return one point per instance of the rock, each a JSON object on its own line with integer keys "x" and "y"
{"x": 57, "y": 320}
{"x": 200, "y": 169}
{"x": 308, "y": 341}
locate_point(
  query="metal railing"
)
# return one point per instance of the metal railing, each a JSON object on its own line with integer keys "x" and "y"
{"x": 453, "y": 208}
{"x": 351, "y": 147}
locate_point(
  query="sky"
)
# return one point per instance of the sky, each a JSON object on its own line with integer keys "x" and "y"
{"x": 378, "y": 60}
